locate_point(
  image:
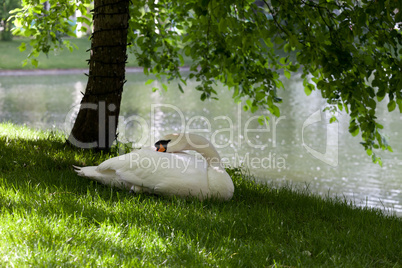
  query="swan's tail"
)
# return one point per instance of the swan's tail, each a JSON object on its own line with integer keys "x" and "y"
{"x": 86, "y": 171}
{"x": 107, "y": 177}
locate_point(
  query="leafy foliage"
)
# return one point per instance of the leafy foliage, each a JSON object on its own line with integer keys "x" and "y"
{"x": 349, "y": 50}
{"x": 48, "y": 22}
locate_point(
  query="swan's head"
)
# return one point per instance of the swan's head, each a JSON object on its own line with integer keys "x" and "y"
{"x": 179, "y": 142}
{"x": 186, "y": 141}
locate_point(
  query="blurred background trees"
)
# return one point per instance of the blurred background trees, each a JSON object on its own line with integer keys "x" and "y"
{"x": 6, "y": 25}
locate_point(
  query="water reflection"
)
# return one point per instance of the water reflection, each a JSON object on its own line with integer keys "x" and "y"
{"x": 273, "y": 152}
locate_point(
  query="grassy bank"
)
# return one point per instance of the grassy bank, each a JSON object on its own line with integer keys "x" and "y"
{"x": 51, "y": 217}
{"x": 11, "y": 58}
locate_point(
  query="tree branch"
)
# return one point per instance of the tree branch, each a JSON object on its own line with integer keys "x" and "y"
{"x": 276, "y": 21}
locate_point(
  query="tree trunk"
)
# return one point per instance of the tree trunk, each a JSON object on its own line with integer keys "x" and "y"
{"x": 96, "y": 123}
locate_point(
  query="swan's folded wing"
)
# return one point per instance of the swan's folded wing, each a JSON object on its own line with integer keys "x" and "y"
{"x": 115, "y": 163}
{"x": 125, "y": 161}
{"x": 166, "y": 173}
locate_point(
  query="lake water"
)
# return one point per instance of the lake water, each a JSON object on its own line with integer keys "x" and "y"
{"x": 300, "y": 147}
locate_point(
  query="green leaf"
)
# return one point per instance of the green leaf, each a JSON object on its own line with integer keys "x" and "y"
{"x": 293, "y": 42}
{"x": 187, "y": 51}
{"x": 249, "y": 103}
{"x": 22, "y": 47}
{"x": 354, "y": 129}
{"x": 222, "y": 26}
{"x": 180, "y": 88}
{"x": 263, "y": 119}
{"x": 268, "y": 42}
{"x": 399, "y": 102}
{"x": 181, "y": 59}
{"x": 354, "y": 132}
{"x": 275, "y": 110}
{"x": 165, "y": 87}
{"x": 287, "y": 48}
{"x": 308, "y": 89}
{"x": 376, "y": 159}
{"x": 391, "y": 105}
{"x": 149, "y": 81}
{"x": 260, "y": 95}
{"x": 35, "y": 62}
{"x": 84, "y": 20}
{"x": 380, "y": 95}
{"x": 253, "y": 109}
{"x": 284, "y": 60}
{"x": 287, "y": 74}
{"x": 379, "y": 126}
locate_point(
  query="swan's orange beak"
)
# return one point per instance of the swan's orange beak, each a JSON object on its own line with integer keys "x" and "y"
{"x": 160, "y": 148}
{"x": 162, "y": 145}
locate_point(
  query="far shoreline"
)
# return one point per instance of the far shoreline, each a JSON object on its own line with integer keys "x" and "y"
{"x": 37, "y": 72}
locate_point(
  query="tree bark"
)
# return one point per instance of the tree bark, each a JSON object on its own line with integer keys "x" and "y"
{"x": 97, "y": 119}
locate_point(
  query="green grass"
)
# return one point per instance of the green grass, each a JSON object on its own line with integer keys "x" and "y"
{"x": 11, "y": 58}
{"x": 50, "y": 217}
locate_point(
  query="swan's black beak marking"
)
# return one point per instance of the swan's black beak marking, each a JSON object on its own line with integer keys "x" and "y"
{"x": 161, "y": 146}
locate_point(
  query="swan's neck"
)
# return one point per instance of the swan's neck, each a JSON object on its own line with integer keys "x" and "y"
{"x": 211, "y": 156}
{"x": 205, "y": 148}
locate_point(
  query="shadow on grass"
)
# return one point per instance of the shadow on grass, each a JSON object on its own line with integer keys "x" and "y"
{"x": 280, "y": 224}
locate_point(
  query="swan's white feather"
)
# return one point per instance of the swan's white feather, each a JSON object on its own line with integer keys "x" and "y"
{"x": 107, "y": 177}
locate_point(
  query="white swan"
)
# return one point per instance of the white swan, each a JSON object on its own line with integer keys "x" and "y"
{"x": 167, "y": 170}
